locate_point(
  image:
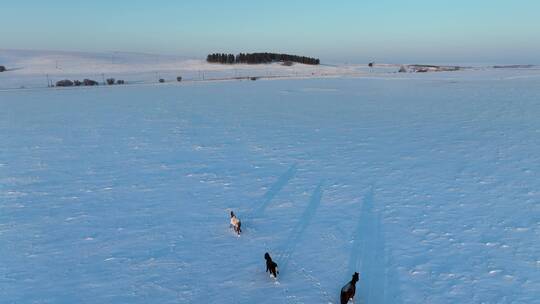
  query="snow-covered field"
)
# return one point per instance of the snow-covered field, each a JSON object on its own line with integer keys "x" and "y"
{"x": 427, "y": 185}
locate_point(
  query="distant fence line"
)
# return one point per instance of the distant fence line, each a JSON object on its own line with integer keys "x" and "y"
{"x": 153, "y": 77}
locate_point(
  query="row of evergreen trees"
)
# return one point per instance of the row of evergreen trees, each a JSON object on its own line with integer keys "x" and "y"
{"x": 255, "y": 58}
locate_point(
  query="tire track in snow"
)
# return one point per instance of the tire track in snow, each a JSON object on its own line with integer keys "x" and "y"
{"x": 368, "y": 257}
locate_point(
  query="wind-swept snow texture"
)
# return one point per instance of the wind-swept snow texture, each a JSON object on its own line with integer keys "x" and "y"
{"x": 429, "y": 188}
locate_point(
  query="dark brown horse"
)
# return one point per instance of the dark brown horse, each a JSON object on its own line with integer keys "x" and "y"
{"x": 349, "y": 290}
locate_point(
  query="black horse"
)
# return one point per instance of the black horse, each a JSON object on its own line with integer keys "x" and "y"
{"x": 271, "y": 265}
{"x": 348, "y": 291}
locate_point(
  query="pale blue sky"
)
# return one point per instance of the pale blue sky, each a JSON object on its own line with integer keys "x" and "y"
{"x": 349, "y": 30}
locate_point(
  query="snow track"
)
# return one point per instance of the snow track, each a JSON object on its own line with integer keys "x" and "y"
{"x": 316, "y": 283}
{"x": 284, "y": 254}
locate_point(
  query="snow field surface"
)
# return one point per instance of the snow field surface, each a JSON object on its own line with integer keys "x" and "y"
{"x": 427, "y": 186}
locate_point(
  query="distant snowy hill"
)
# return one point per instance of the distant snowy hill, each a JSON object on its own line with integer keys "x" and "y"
{"x": 30, "y": 68}
{"x": 58, "y": 62}
{"x": 33, "y": 69}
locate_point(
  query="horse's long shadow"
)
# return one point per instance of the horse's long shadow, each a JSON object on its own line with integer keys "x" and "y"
{"x": 296, "y": 234}
{"x": 273, "y": 191}
{"x": 378, "y": 283}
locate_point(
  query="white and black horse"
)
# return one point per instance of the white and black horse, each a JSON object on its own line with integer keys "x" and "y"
{"x": 235, "y": 223}
{"x": 271, "y": 266}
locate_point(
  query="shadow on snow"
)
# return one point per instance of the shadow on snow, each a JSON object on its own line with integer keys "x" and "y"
{"x": 378, "y": 282}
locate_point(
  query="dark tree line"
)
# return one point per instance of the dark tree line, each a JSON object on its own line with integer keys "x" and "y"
{"x": 255, "y": 58}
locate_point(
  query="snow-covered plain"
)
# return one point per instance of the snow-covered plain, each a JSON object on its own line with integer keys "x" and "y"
{"x": 427, "y": 185}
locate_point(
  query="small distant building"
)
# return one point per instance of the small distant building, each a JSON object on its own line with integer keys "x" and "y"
{"x": 161, "y": 80}
{"x": 179, "y": 78}
{"x": 110, "y": 81}
{"x": 2, "y": 68}
{"x": 64, "y": 83}
{"x": 120, "y": 81}
{"x": 424, "y": 68}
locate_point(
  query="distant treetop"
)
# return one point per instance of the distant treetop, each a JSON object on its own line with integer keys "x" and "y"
{"x": 255, "y": 58}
